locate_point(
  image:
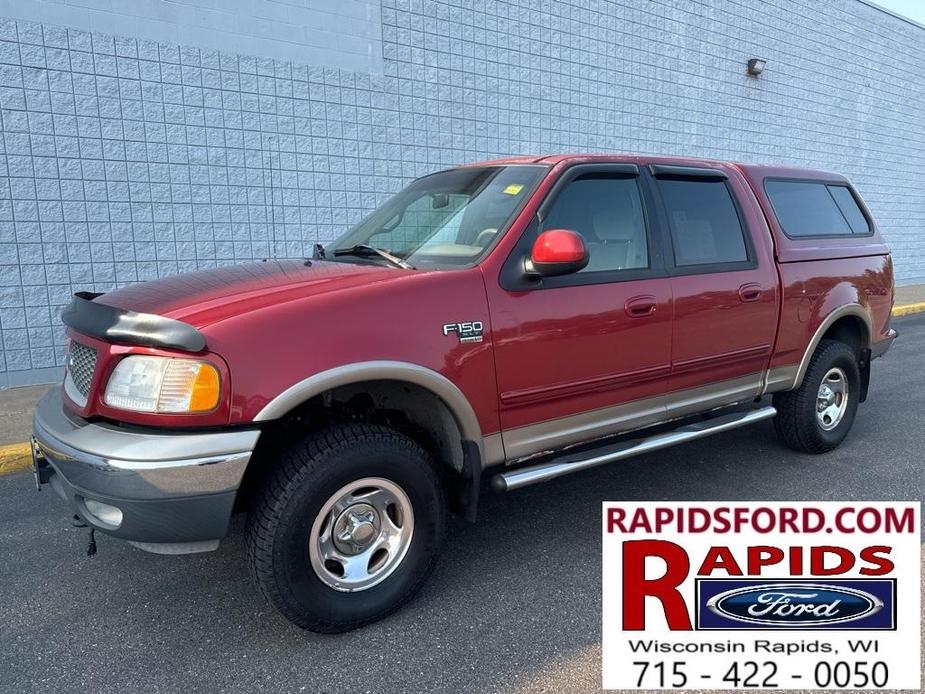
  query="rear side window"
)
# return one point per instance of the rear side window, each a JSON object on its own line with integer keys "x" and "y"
{"x": 849, "y": 207}
{"x": 813, "y": 208}
{"x": 704, "y": 223}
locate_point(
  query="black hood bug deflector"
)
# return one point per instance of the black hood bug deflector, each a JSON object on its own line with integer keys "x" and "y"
{"x": 122, "y": 325}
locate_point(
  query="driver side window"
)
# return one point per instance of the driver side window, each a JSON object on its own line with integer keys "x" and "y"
{"x": 606, "y": 210}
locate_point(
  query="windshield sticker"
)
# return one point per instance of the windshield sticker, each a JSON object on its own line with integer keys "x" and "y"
{"x": 514, "y": 189}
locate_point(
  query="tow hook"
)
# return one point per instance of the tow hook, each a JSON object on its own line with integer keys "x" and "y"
{"x": 41, "y": 470}
{"x": 79, "y": 522}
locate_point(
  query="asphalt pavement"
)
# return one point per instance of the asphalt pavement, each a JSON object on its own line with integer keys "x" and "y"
{"x": 514, "y": 605}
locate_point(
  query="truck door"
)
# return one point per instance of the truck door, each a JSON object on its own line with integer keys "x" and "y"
{"x": 724, "y": 284}
{"x": 583, "y": 355}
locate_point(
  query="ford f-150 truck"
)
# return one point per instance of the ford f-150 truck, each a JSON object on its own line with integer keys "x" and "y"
{"x": 491, "y": 326}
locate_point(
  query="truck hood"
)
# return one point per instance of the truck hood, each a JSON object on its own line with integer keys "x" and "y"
{"x": 207, "y": 296}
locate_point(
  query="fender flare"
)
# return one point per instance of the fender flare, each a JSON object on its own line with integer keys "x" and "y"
{"x": 855, "y": 310}
{"x": 348, "y": 374}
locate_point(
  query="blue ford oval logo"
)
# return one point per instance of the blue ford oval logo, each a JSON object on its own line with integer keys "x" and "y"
{"x": 794, "y": 604}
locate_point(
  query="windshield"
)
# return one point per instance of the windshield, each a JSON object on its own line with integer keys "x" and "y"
{"x": 445, "y": 219}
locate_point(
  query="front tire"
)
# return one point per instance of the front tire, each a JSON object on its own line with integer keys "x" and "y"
{"x": 817, "y": 416}
{"x": 347, "y": 527}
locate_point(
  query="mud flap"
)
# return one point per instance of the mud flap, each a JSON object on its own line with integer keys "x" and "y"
{"x": 864, "y": 367}
{"x": 471, "y": 481}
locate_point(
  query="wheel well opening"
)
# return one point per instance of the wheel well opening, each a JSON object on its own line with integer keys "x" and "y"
{"x": 408, "y": 408}
{"x": 851, "y": 330}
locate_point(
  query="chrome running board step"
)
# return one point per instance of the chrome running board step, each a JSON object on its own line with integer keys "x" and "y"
{"x": 569, "y": 463}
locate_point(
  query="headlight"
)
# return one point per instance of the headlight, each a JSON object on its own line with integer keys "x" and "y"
{"x": 163, "y": 384}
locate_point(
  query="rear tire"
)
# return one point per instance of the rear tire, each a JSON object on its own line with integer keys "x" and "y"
{"x": 816, "y": 417}
{"x": 347, "y": 527}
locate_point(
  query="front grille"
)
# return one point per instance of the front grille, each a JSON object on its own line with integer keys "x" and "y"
{"x": 81, "y": 362}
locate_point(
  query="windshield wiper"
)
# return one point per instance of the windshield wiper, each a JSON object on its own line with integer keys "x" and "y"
{"x": 364, "y": 251}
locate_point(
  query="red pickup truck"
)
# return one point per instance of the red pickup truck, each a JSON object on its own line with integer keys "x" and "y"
{"x": 501, "y": 323}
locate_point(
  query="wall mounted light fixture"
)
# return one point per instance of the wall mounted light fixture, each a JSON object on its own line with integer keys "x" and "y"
{"x": 755, "y": 66}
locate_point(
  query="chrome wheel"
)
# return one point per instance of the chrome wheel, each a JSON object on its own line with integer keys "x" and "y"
{"x": 361, "y": 534}
{"x": 832, "y": 399}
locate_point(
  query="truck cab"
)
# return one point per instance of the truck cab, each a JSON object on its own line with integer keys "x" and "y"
{"x": 491, "y": 326}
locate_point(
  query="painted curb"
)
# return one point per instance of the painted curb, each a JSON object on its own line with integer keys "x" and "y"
{"x": 908, "y": 309}
{"x": 15, "y": 458}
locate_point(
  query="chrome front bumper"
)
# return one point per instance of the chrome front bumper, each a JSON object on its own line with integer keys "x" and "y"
{"x": 175, "y": 489}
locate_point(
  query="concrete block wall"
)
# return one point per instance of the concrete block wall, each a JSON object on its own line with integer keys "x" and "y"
{"x": 340, "y": 33}
{"x": 141, "y": 143}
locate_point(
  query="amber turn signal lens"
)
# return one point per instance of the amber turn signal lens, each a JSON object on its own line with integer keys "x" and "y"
{"x": 205, "y": 389}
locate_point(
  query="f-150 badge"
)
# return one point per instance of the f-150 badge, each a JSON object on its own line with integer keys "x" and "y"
{"x": 469, "y": 331}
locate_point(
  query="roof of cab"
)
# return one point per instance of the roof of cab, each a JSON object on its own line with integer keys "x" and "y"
{"x": 752, "y": 171}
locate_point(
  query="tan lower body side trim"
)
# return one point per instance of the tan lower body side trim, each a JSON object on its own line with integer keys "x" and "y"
{"x": 492, "y": 450}
{"x": 693, "y": 400}
{"x": 781, "y": 378}
{"x": 587, "y": 426}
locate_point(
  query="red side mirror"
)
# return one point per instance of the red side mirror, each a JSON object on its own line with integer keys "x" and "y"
{"x": 558, "y": 252}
